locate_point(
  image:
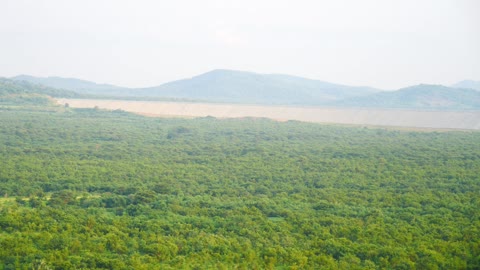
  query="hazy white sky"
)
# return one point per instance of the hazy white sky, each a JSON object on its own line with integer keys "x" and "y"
{"x": 381, "y": 43}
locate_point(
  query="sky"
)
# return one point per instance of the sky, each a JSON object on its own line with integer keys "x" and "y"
{"x": 386, "y": 44}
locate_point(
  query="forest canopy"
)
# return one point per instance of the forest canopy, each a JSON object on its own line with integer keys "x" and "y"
{"x": 91, "y": 189}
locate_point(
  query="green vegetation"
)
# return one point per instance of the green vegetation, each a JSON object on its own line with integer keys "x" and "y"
{"x": 22, "y": 93}
{"x": 90, "y": 189}
{"x": 11, "y": 87}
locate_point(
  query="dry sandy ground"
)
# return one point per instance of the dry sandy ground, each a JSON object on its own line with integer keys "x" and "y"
{"x": 376, "y": 117}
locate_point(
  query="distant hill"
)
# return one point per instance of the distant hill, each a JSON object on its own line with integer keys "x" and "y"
{"x": 249, "y": 87}
{"x": 423, "y": 96}
{"x": 24, "y": 93}
{"x": 76, "y": 85}
{"x": 468, "y": 84}
{"x": 11, "y": 87}
{"x": 221, "y": 86}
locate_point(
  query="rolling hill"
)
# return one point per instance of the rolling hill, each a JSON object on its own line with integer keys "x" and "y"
{"x": 222, "y": 86}
{"x": 12, "y": 87}
{"x": 475, "y": 85}
{"x": 269, "y": 89}
{"x": 248, "y": 87}
{"x": 423, "y": 96}
{"x": 22, "y": 93}
{"x": 76, "y": 85}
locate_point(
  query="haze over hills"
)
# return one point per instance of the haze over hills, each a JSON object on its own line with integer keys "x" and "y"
{"x": 468, "y": 84}
{"x": 12, "y": 87}
{"x": 76, "y": 85}
{"x": 423, "y": 96}
{"x": 25, "y": 93}
{"x": 248, "y": 87}
{"x": 222, "y": 86}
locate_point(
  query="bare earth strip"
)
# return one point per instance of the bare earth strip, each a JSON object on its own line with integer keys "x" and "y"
{"x": 357, "y": 116}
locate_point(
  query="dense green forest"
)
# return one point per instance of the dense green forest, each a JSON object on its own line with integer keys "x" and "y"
{"x": 87, "y": 189}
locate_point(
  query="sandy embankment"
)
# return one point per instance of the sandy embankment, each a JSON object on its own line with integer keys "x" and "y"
{"x": 376, "y": 117}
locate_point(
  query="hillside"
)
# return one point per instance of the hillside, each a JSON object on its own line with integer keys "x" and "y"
{"x": 273, "y": 89}
{"x": 76, "y": 85}
{"x": 475, "y": 85}
{"x": 219, "y": 86}
{"x": 11, "y": 87}
{"x": 249, "y": 87}
{"x": 423, "y": 96}
{"x": 22, "y": 93}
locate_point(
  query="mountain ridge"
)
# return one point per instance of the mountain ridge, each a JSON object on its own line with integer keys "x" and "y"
{"x": 221, "y": 85}
{"x": 72, "y": 84}
{"x": 422, "y": 96}
{"x": 26, "y": 93}
{"x": 12, "y": 87}
{"x": 249, "y": 87}
{"x": 471, "y": 84}
{"x": 233, "y": 86}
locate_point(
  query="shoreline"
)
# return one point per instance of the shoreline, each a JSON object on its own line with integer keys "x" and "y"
{"x": 451, "y": 120}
